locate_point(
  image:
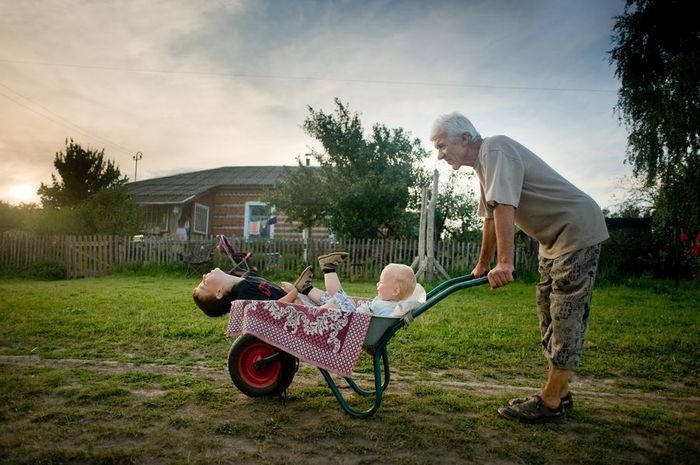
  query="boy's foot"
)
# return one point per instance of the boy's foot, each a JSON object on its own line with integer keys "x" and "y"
{"x": 304, "y": 280}
{"x": 332, "y": 259}
{"x": 567, "y": 401}
{"x": 532, "y": 410}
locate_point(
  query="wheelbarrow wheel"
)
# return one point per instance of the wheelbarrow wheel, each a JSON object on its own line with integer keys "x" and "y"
{"x": 258, "y": 369}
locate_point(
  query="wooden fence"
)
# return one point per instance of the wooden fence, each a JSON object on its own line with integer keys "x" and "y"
{"x": 93, "y": 255}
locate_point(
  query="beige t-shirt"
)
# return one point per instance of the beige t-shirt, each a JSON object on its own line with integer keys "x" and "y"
{"x": 548, "y": 207}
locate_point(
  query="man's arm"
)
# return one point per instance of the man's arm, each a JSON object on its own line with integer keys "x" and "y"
{"x": 488, "y": 244}
{"x": 504, "y": 227}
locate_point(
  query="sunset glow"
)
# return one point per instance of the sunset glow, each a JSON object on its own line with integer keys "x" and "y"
{"x": 23, "y": 193}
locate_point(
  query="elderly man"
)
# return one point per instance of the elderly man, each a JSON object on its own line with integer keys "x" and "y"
{"x": 519, "y": 189}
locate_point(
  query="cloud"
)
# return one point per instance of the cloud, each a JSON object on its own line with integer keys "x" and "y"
{"x": 195, "y": 85}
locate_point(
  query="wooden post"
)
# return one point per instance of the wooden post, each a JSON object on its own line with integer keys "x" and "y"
{"x": 425, "y": 263}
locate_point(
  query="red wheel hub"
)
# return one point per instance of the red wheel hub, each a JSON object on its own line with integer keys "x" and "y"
{"x": 264, "y": 375}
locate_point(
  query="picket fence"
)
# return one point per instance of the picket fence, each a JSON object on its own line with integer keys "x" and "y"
{"x": 84, "y": 256}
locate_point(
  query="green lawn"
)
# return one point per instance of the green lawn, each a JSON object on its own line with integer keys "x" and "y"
{"x": 124, "y": 369}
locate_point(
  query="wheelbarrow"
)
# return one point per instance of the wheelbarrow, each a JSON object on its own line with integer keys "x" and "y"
{"x": 259, "y": 369}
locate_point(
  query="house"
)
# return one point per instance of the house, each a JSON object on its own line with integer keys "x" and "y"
{"x": 226, "y": 200}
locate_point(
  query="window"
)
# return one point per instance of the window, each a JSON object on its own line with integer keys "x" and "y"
{"x": 256, "y": 226}
{"x": 201, "y": 219}
{"x": 155, "y": 219}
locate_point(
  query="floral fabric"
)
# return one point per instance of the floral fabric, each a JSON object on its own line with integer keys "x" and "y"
{"x": 328, "y": 338}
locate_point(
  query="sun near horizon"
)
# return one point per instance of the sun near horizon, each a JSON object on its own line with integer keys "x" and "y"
{"x": 21, "y": 193}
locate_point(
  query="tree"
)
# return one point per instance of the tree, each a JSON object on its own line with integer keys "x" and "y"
{"x": 637, "y": 200}
{"x": 124, "y": 216}
{"x": 657, "y": 57}
{"x": 83, "y": 173}
{"x": 14, "y": 218}
{"x": 109, "y": 211}
{"x": 456, "y": 209}
{"x": 363, "y": 186}
{"x": 298, "y": 196}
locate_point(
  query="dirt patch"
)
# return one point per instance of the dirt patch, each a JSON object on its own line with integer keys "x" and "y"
{"x": 601, "y": 389}
{"x": 421, "y": 421}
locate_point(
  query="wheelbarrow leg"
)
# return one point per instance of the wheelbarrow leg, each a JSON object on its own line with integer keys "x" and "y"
{"x": 381, "y": 382}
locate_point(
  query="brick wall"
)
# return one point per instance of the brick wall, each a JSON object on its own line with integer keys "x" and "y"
{"x": 228, "y": 214}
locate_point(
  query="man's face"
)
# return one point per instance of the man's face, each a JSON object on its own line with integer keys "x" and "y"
{"x": 212, "y": 283}
{"x": 454, "y": 153}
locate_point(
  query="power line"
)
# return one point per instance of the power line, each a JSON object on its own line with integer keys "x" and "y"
{"x": 310, "y": 78}
{"x": 58, "y": 119}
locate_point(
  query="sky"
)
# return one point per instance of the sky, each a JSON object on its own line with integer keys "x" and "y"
{"x": 192, "y": 85}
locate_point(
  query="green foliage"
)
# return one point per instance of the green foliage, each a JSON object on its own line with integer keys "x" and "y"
{"x": 456, "y": 210}
{"x": 109, "y": 211}
{"x": 90, "y": 198}
{"x": 47, "y": 221}
{"x": 48, "y": 270}
{"x": 364, "y": 184}
{"x": 83, "y": 173}
{"x": 657, "y": 56}
{"x": 630, "y": 251}
{"x": 299, "y": 196}
{"x": 14, "y": 218}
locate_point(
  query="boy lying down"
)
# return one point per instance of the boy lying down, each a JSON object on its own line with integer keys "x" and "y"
{"x": 397, "y": 290}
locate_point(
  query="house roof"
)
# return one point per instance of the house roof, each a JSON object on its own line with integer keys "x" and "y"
{"x": 182, "y": 188}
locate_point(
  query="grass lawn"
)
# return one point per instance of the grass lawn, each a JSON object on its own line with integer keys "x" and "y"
{"x": 124, "y": 369}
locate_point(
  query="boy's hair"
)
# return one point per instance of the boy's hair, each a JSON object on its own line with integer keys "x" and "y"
{"x": 210, "y": 305}
{"x": 405, "y": 279}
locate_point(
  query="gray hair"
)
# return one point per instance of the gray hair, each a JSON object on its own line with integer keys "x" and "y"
{"x": 453, "y": 126}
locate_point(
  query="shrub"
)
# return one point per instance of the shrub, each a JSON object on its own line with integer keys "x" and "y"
{"x": 47, "y": 270}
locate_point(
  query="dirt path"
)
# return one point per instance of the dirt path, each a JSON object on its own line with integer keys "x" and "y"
{"x": 601, "y": 389}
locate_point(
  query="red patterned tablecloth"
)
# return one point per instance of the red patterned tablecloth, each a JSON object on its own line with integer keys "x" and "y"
{"x": 327, "y": 338}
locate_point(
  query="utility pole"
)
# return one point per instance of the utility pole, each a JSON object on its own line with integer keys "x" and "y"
{"x": 136, "y": 158}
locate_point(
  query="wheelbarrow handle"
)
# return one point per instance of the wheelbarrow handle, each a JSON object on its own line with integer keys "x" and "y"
{"x": 448, "y": 287}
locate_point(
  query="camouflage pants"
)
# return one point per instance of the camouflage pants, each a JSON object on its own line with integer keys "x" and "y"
{"x": 564, "y": 302}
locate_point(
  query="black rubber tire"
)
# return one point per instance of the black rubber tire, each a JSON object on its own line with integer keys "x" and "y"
{"x": 271, "y": 380}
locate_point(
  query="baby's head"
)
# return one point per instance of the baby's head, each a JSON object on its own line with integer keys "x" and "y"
{"x": 397, "y": 282}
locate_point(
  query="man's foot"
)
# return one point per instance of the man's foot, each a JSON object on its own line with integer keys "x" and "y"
{"x": 332, "y": 260}
{"x": 567, "y": 402}
{"x": 532, "y": 410}
{"x": 303, "y": 282}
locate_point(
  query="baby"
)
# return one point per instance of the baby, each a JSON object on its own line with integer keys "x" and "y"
{"x": 397, "y": 284}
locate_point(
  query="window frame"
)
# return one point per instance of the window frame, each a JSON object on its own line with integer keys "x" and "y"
{"x": 246, "y": 221}
{"x": 205, "y": 208}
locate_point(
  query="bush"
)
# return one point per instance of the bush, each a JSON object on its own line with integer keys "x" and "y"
{"x": 48, "y": 270}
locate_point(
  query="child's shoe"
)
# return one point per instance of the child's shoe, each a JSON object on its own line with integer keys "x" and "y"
{"x": 331, "y": 260}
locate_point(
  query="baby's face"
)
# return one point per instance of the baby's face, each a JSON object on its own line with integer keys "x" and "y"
{"x": 387, "y": 287}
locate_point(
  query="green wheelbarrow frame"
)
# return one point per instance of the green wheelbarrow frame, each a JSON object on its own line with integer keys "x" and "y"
{"x": 380, "y": 332}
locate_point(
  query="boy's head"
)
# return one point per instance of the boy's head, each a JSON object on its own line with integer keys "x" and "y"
{"x": 214, "y": 294}
{"x": 397, "y": 282}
